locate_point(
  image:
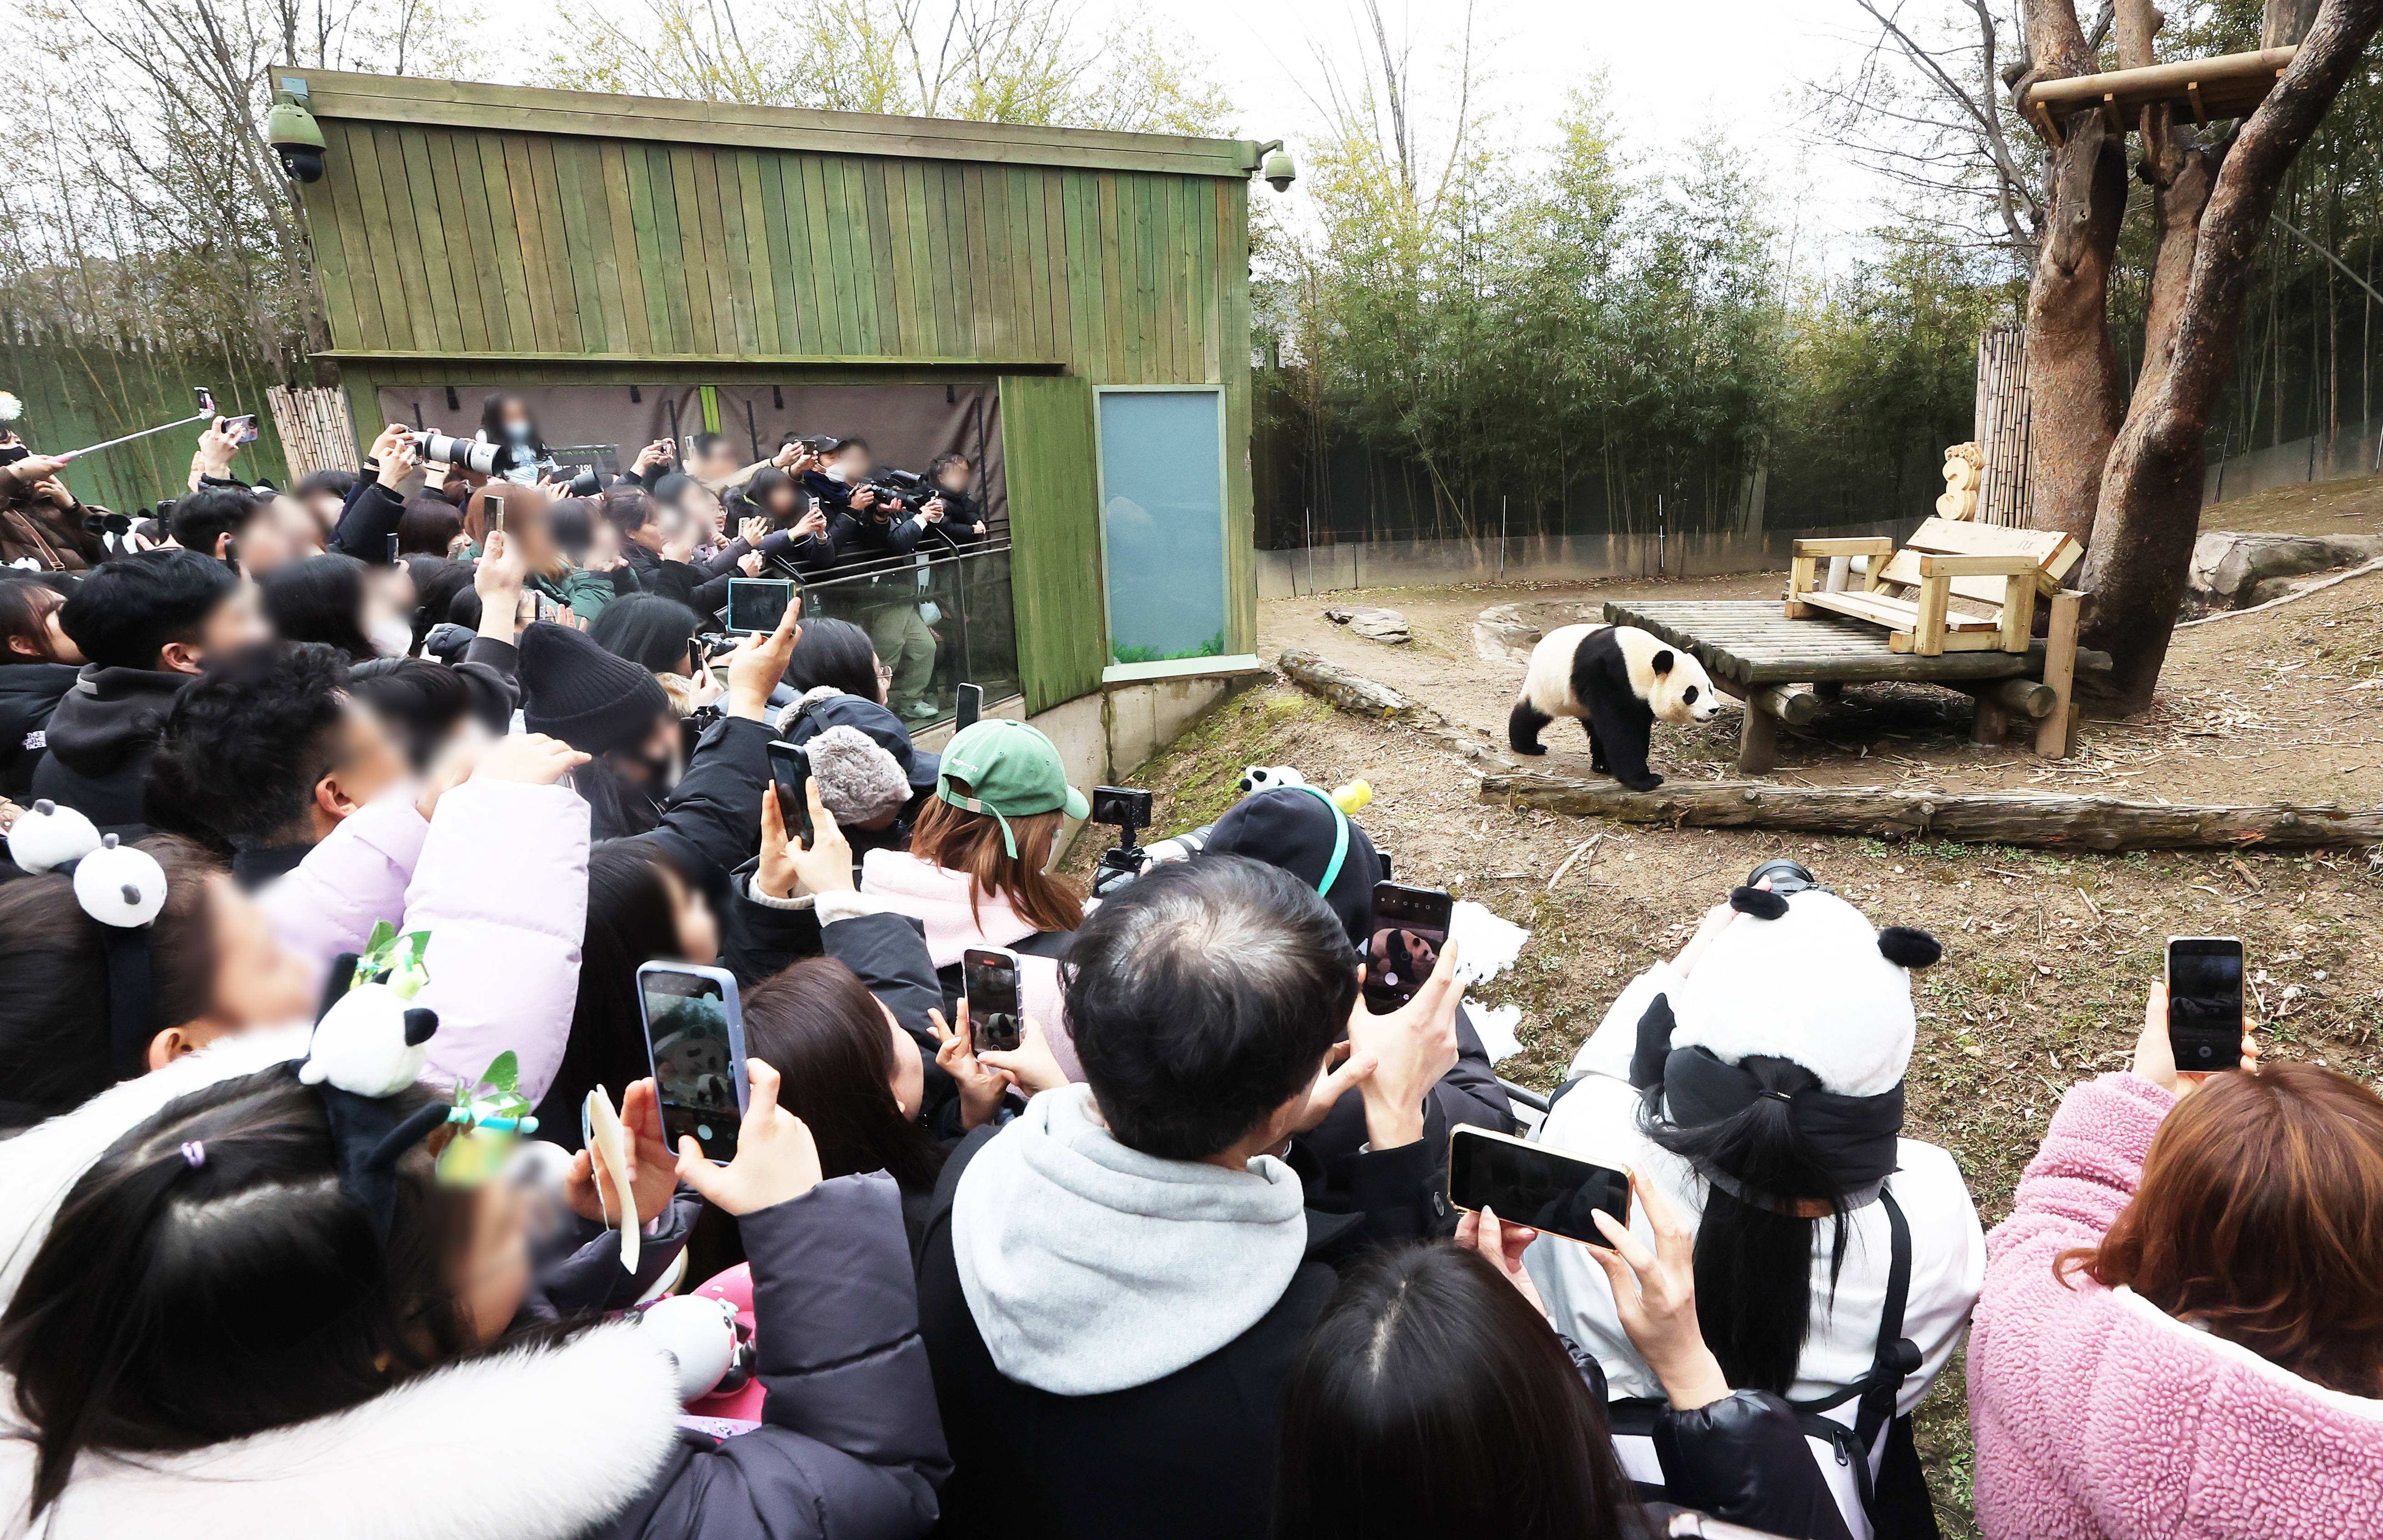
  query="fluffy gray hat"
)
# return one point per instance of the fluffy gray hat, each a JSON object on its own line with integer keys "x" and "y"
{"x": 859, "y": 780}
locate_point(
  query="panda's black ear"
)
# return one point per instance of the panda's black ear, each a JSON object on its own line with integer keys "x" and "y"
{"x": 1905, "y": 947}
{"x": 1761, "y": 903}
{"x": 1662, "y": 661}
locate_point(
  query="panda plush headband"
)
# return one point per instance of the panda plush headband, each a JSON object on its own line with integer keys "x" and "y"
{"x": 121, "y": 887}
{"x": 1801, "y": 977}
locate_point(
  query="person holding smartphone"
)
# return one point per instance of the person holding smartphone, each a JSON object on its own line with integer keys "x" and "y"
{"x": 1757, "y": 1080}
{"x": 1292, "y": 828}
{"x": 1206, "y": 999}
{"x": 2199, "y": 1250}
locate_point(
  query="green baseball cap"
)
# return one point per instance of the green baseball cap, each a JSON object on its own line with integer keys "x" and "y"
{"x": 1013, "y": 769}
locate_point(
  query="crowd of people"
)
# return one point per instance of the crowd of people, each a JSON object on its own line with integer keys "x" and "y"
{"x": 1182, "y": 1261}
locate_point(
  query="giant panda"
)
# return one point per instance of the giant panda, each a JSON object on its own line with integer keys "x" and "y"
{"x": 1618, "y": 679}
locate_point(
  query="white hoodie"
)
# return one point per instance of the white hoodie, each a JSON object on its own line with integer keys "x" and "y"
{"x": 1090, "y": 1267}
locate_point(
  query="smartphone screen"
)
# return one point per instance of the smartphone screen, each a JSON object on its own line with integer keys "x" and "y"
{"x": 695, "y": 1037}
{"x": 1410, "y": 927}
{"x": 392, "y": 549}
{"x": 790, "y": 771}
{"x": 241, "y": 430}
{"x": 969, "y": 708}
{"x": 758, "y": 604}
{"x": 990, "y": 978}
{"x": 2204, "y": 1001}
{"x": 1530, "y": 1184}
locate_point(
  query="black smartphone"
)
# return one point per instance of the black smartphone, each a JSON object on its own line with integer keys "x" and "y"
{"x": 2204, "y": 1001}
{"x": 989, "y": 975}
{"x": 231, "y": 553}
{"x": 790, "y": 771}
{"x": 1410, "y": 927}
{"x": 1530, "y": 1184}
{"x": 758, "y": 604}
{"x": 694, "y": 1040}
{"x": 242, "y": 430}
{"x": 971, "y": 706}
{"x": 392, "y": 548}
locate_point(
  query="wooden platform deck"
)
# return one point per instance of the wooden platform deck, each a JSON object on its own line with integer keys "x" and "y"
{"x": 1757, "y": 654}
{"x": 1746, "y": 644}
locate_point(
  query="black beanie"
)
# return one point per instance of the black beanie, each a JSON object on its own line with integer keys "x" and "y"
{"x": 1291, "y": 827}
{"x": 573, "y": 690}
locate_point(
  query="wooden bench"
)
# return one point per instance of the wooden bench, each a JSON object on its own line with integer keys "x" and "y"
{"x": 1785, "y": 669}
{"x": 1996, "y": 573}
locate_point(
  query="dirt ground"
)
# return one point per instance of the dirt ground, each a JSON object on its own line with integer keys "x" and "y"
{"x": 2047, "y": 955}
{"x": 2285, "y": 705}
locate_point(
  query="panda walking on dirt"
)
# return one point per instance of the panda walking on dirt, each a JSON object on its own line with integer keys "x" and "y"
{"x": 1618, "y": 680}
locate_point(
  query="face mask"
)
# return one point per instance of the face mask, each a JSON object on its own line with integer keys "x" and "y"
{"x": 656, "y": 773}
{"x": 391, "y": 636}
{"x": 517, "y": 432}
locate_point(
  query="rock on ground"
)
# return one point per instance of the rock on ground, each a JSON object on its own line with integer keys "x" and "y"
{"x": 1373, "y": 622}
{"x": 2232, "y": 570}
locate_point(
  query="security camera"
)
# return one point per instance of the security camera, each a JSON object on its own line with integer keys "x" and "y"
{"x": 1278, "y": 171}
{"x": 297, "y": 138}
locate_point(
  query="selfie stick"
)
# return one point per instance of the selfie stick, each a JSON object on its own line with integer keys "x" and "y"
{"x": 205, "y": 414}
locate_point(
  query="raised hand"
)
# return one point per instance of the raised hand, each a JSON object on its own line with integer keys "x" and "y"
{"x": 776, "y": 1160}
{"x": 1412, "y": 1048}
{"x": 1655, "y": 1295}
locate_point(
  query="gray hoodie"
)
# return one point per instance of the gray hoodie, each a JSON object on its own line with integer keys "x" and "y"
{"x": 1092, "y": 1268}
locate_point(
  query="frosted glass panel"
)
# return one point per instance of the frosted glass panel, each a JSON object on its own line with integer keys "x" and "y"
{"x": 1163, "y": 524}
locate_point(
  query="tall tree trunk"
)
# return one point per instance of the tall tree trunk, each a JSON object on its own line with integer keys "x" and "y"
{"x": 2149, "y": 506}
{"x": 2070, "y": 358}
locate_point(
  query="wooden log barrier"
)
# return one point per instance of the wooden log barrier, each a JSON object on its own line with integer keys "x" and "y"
{"x": 1996, "y": 817}
{"x": 1795, "y": 704}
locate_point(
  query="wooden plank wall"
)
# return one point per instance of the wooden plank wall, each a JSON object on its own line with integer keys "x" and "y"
{"x": 1055, "y": 519}
{"x": 501, "y": 255}
{"x": 454, "y": 240}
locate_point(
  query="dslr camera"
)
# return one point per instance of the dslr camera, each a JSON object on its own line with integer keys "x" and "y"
{"x": 907, "y": 487}
{"x": 464, "y": 454}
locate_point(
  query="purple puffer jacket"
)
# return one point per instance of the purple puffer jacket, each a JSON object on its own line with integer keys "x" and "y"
{"x": 499, "y": 877}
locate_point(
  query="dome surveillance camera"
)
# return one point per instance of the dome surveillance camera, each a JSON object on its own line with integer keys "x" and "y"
{"x": 1278, "y": 171}
{"x": 301, "y": 163}
{"x": 297, "y": 138}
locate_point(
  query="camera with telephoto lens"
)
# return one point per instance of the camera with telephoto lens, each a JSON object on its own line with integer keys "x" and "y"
{"x": 907, "y": 487}
{"x": 463, "y": 454}
{"x": 586, "y": 484}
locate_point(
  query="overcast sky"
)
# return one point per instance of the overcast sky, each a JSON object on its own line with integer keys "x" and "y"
{"x": 1673, "y": 67}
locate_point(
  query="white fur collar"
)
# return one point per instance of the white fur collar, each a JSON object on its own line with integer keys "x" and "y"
{"x": 38, "y": 1166}
{"x": 536, "y": 1445}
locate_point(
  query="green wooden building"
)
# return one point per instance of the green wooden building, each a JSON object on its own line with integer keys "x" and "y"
{"x": 1071, "y": 308}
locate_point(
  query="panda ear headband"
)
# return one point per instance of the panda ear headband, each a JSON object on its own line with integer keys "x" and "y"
{"x": 121, "y": 887}
{"x": 1855, "y": 1136}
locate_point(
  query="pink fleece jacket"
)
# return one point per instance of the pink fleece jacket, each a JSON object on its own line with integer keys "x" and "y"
{"x": 938, "y": 899}
{"x": 2098, "y": 1415}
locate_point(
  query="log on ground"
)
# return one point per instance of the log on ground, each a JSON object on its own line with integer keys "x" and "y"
{"x": 1350, "y": 691}
{"x": 1984, "y": 818}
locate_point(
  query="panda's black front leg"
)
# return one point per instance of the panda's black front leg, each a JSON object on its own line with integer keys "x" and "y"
{"x": 1596, "y": 749}
{"x": 1620, "y": 730}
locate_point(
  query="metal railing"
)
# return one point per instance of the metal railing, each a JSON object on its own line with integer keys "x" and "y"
{"x": 971, "y": 627}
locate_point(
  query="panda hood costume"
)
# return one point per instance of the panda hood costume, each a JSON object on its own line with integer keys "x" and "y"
{"x": 1798, "y": 1001}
